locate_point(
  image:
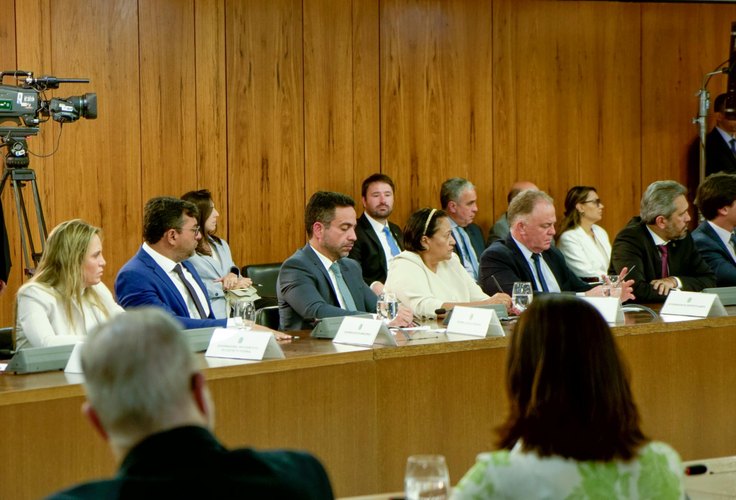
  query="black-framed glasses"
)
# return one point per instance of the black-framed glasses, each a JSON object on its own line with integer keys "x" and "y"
{"x": 597, "y": 202}
{"x": 194, "y": 229}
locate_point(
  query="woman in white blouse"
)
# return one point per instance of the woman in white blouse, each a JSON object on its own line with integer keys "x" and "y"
{"x": 584, "y": 244}
{"x": 428, "y": 275}
{"x": 66, "y": 298}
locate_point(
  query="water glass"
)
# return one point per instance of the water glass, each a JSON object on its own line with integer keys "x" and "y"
{"x": 612, "y": 287}
{"x": 522, "y": 295}
{"x": 426, "y": 478}
{"x": 387, "y": 306}
{"x": 246, "y": 310}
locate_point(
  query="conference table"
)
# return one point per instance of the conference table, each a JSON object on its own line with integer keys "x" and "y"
{"x": 362, "y": 410}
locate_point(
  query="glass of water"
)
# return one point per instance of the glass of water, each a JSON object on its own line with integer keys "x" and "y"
{"x": 612, "y": 287}
{"x": 522, "y": 295}
{"x": 426, "y": 478}
{"x": 387, "y": 306}
{"x": 246, "y": 310}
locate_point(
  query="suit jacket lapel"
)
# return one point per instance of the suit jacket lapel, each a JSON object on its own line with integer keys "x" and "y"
{"x": 373, "y": 237}
{"x": 321, "y": 271}
{"x": 163, "y": 278}
{"x": 521, "y": 261}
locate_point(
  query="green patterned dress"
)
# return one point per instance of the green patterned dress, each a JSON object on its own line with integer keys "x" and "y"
{"x": 657, "y": 473}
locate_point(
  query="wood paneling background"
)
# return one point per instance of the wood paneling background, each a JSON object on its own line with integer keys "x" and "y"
{"x": 265, "y": 101}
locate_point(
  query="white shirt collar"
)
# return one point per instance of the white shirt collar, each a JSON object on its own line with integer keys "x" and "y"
{"x": 726, "y": 136}
{"x": 326, "y": 261}
{"x": 657, "y": 238}
{"x": 163, "y": 262}
{"x": 377, "y": 226}
{"x": 524, "y": 250}
{"x": 724, "y": 235}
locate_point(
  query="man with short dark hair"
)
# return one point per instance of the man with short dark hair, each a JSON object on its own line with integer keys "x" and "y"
{"x": 714, "y": 237}
{"x": 148, "y": 400}
{"x": 459, "y": 199}
{"x": 378, "y": 240}
{"x": 526, "y": 254}
{"x": 159, "y": 274}
{"x": 720, "y": 143}
{"x": 317, "y": 281}
{"x": 658, "y": 244}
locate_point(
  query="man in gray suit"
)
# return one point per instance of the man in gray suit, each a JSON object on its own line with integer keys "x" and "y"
{"x": 317, "y": 281}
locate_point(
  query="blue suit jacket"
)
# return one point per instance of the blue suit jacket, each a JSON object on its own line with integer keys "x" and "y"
{"x": 504, "y": 260}
{"x": 715, "y": 254}
{"x": 305, "y": 291}
{"x": 142, "y": 282}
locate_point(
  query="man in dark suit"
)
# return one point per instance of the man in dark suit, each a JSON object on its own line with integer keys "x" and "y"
{"x": 158, "y": 275}
{"x": 317, "y": 281}
{"x": 527, "y": 255}
{"x": 500, "y": 229}
{"x": 147, "y": 399}
{"x": 459, "y": 200}
{"x": 378, "y": 240}
{"x": 720, "y": 143}
{"x": 658, "y": 244}
{"x": 714, "y": 237}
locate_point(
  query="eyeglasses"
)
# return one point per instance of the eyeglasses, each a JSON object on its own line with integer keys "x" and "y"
{"x": 597, "y": 202}
{"x": 194, "y": 229}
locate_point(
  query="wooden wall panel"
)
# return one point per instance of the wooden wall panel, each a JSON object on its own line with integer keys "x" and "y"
{"x": 265, "y": 129}
{"x": 436, "y": 99}
{"x": 168, "y": 129}
{"x": 566, "y": 96}
{"x": 680, "y": 43}
{"x": 209, "y": 39}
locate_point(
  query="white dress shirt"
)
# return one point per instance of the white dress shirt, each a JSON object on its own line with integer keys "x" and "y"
{"x": 549, "y": 276}
{"x": 378, "y": 229}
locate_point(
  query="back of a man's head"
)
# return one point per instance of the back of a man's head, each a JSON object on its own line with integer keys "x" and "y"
{"x": 138, "y": 375}
{"x": 659, "y": 199}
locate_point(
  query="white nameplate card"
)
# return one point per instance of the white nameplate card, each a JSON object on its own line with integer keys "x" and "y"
{"x": 475, "y": 321}
{"x": 609, "y": 307}
{"x": 697, "y": 304}
{"x": 74, "y": 365}
{"x": 363, "y": 331}
{"x": 235, "y": 343}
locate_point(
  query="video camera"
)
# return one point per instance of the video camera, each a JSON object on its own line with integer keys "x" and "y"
{"x": 24, "y": 103}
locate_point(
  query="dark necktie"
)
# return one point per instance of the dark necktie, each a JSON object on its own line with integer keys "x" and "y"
{"x": 191, "y": 290}
{"x": 391, "y": 242}
{"x": 732, "y": 142}
{"x": 343, "y": 287}
{"x": 538, "y": 267}
{"x": 665, "y": 261}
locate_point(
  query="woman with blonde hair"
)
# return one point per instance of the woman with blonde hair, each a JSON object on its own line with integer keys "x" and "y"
{"x": 65, "y": 298}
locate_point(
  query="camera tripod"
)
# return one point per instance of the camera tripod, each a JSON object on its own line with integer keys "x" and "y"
{"x": 16, "y": 170}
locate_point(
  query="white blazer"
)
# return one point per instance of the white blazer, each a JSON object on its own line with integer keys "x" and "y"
{"x": 584, "y": 256}
{"x": 41, "y": 319}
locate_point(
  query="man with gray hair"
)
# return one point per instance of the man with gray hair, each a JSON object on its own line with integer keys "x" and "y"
{"x": 147, "y": 399}
{"x": 658, "y": 244}
{"x": 527, "y": 255}
{"x": 459, "y": 200}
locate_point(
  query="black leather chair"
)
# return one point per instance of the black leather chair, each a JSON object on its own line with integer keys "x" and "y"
{"x": 264, "y": 278}
{"x": 6, "y": 342}
{"x": 268, "y": 316}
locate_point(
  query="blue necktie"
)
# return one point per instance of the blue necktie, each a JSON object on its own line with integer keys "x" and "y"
{"x": 343, "y": 287}
{"x": 391, "y": 242}
{"x": 467, "y": 252}
{"x": 538, "y": 267}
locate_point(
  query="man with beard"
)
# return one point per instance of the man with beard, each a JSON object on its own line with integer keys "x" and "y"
{"x": 317, "y": 281}
{"x": 658, "y": 244}
{"x": 158, "y": 275}
{"x": 378, "y": 240}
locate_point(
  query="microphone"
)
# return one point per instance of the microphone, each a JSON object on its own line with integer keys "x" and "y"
{"x": 729, "y": 110}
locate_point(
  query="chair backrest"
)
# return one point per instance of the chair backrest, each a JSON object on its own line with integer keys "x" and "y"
{"x": 7, "y": 342}
{"x": 264, "y": 278}
{"x": 268, "y": 317}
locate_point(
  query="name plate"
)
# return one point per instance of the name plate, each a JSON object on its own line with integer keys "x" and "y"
{"x": 74, "y": 365}
{"x": 363, "y": 331}
{"x": 609, "y": 307}
{"x": 475, "y": 322}
{"x": 697, "y": 304}
{"x": 234, "y": 343}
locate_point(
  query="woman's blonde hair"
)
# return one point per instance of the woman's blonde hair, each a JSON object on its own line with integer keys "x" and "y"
{"x": 60, "y": 267}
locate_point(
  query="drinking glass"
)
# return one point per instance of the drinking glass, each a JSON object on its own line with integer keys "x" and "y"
{"x": 426, "y": 478}
{"x": 246, "y": 310}
{"x": 522, "y": 295}
{"x": 387, "y": 306}
{"x": 612, "y": 287}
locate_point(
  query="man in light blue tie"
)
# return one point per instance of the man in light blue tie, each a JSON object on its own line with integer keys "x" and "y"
{"x": 379, "y": 240}
{"x": 459, "y": 200}
{"x": 317, "y": 281}
{"x": 714, "y": 237}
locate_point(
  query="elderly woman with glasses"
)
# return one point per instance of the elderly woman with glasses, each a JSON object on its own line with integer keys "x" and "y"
{"x": 584, "y": 244}
{"x": 213, "y": 259}
{"x": 428, "y": 275}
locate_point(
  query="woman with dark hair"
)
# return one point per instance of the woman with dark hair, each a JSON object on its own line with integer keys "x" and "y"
{"x": 573, "y": 427}
{"x": 213, "y": 259}
{"x": 584, "y": 244}
{"x": 428, "y": 274}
